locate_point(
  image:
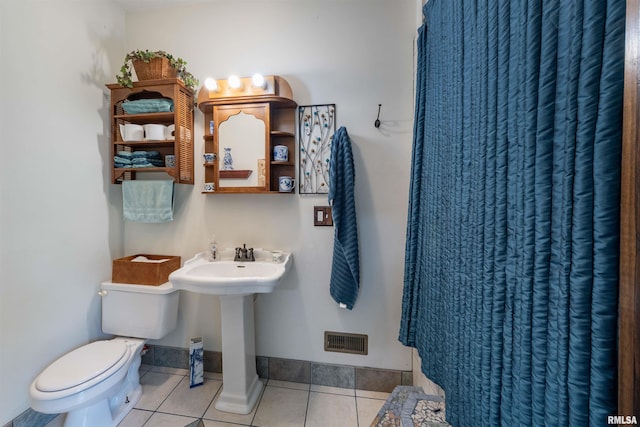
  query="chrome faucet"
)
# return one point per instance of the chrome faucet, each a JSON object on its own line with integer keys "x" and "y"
{"x": 244, "y": 254}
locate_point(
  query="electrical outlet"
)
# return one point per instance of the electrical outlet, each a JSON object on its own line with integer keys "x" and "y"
{"x": 322, "y": 215}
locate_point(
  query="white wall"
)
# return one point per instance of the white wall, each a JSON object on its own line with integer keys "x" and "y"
{"x": 420, "y": 380}
{"x": 59, "y": 221}
{"x": 356, "y": 54}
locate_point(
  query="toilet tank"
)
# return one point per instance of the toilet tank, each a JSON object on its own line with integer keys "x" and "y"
{"x": 139, "y": 311}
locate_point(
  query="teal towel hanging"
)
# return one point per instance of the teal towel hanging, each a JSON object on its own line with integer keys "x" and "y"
{"x": 345, "y": 270}
{"x": 147, "y": 201}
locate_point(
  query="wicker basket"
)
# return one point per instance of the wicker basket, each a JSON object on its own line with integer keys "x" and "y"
{"x": 123, "y": 270}
{"x": 156, "y": 68}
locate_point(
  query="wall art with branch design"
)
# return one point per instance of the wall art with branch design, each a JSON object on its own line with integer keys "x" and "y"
{"x": 316, "y": 126}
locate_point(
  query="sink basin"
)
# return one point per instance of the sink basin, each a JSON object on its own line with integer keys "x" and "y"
{"x": 235, "y": 283}
{"x": 228, "y": 277}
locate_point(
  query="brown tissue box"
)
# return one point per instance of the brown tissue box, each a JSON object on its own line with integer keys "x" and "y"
{"x": 144, "y": 273}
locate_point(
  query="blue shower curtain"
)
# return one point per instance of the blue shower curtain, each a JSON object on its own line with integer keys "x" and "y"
{"x": 511, "y": 269}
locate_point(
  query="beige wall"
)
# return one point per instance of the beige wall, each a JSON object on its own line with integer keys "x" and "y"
{"x": 61, "y": 220}
{"x": 419, "y": 380}
{"x": 356, "y": 54}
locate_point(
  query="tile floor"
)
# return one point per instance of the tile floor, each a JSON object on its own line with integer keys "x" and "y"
{"x": 167, "y": 401}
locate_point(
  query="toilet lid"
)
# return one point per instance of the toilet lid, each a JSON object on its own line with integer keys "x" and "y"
{"x": 82, "y": 365}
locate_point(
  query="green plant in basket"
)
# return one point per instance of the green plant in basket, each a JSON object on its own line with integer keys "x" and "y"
{"x": 177, "y": 65}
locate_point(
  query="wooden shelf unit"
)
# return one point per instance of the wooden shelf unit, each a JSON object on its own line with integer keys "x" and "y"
{"x": 181, "y": 117}
{"x": 282, "y": 133}
{"x": 276, "y": 107}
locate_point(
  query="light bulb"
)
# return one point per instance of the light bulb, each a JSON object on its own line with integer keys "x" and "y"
{"x": 211, "y": 84}
{"x": 234, "y": 82}
{"x": 258, "y": 81}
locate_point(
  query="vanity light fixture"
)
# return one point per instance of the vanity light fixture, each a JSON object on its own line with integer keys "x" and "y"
{"x": 211, "y": 84}
{"x": 234, "y": 82}
{"x": 234, "y": 86}
{"x": 258, "y": 81}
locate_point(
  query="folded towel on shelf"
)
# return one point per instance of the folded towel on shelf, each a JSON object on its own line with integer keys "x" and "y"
{"x": 141, "y": 159}
{"x": 140, "y": 106}
{"x": 122, "y": 160}
{"x": 147, "y": 200}
{"x": 345, "y": 268}
{"x": 125, "y": 154}
{"x": 144, "y": 164}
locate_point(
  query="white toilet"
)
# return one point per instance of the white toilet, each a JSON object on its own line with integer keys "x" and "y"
{"x": 97, "y": 384}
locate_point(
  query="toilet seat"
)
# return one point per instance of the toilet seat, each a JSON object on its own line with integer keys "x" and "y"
{"x": 83, "y": 367}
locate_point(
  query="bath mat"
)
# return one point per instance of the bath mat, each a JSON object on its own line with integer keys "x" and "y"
{"x": 411, "y": 407}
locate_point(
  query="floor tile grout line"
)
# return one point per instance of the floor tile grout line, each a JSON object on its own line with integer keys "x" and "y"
{"x": 370, "y": 398}
{"x": 257, "y": 404}
{"x": 328, "y": 392}
{"x": 306, "y": 411}
{"x": 201, "y": 417}
{"x": 333, "y": 394}
{"x": 216, "y": 394}
{"x": 355, "y": 397}
{"x": 264, "y": 388}
{"x": 165, "y": 399}
{"x": 287, "y": 388}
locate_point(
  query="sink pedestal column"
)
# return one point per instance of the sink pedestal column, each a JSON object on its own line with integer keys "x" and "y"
{"x": 241, "y": 386}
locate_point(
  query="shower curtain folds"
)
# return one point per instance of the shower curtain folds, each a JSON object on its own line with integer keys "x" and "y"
{"x": 511, "y": 268}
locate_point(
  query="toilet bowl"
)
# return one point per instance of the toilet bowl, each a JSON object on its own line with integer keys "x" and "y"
{"x": 98, "y": 384}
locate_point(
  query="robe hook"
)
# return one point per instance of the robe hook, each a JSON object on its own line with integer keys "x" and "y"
{"x": 377, "y": 122}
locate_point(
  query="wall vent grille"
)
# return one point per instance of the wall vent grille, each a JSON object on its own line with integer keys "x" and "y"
{"x": 342, "y": 342}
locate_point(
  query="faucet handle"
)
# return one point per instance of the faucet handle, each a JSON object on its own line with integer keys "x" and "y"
{"x": 251, "y": 257}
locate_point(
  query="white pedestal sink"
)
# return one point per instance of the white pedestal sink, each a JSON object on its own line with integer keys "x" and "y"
{"x": 235, "y": 283}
